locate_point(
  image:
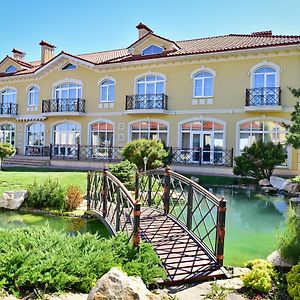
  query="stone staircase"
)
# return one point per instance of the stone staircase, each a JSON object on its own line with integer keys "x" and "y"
{"x": 26, "y": 161}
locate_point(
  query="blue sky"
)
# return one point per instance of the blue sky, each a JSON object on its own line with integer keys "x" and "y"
{"x": 81, "y": 26}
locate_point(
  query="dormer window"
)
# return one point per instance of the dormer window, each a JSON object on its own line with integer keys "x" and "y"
{"x": 69, "y": 66}
{"x": 152, "y": 49}
{"x": 11, "y": 69}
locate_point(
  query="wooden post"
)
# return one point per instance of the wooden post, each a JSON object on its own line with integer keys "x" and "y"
{"x": 221, "y": 231}
{"x": 118, "y": 209}
{"x": 149, "y": 190}
{"x": 189, "y": 218}
{"x": 136, "y": 238}
{"x": 104, "y": 192}
{"x": 137, "y": 184}
{"x": 88, "y": 190}
{"x": 166, "y": 194}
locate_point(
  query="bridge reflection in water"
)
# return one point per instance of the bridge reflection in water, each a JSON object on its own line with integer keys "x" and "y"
{"x": 183, "y": 221}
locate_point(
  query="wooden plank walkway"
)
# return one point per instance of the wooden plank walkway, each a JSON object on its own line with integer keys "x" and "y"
{"x": 183, "y": 258}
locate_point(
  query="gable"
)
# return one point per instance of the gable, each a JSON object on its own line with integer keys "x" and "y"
{"x": 151, "y": 39}
{"x": 7, "y": 62}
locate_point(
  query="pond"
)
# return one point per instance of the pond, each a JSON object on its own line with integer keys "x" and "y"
{"x": 10, "y": 219}
{"x": 253, "y": 221}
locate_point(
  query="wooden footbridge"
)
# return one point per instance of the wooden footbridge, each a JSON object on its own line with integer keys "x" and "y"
{"x": 183, "y": 221}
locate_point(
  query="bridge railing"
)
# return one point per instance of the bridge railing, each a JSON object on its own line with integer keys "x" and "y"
{"x": 195, "y": 208}
{"x": 114, "y": 204}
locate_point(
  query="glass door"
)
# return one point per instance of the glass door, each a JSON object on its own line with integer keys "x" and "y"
{"x": 201, "y": 143}
{"x": 206, "y": 148}
{"x": 196, "y": 145}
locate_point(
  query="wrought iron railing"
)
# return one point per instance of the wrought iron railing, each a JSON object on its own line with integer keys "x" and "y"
{"x": 147, "y": 101}
{"x": 84, "y": 152}
{"x": 266, "y": 96}
{"x": 113, "y": 202}
{"x": 63, "y": 105}
{"x": 189, "y": 204}
{"x": 201, "y": 156}
{"x": 8, "y": 109}
{"x": 37, "y": 150}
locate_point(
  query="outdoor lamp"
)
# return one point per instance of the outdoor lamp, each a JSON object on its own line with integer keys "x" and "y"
{"x": 145, "y": 159}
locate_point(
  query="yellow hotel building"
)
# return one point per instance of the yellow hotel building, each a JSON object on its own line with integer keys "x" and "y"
{"x": 206, "y": 98}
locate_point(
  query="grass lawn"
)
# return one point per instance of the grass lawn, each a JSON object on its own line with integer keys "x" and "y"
{"x": 15, "y": 179}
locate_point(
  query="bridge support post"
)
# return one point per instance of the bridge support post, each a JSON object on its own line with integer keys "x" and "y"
{"x": 136, "y": 238}
{"x": 221, "y": 231}
{"x": 104, "y": 192}
{"x": 118, "y": 209}
{"x": 166, "y": 195}
{"x": 149, "y": 190}
{"x": 88, "y": 188}
{"x": 137, "y": 184}
{"x": 189, "y": 219}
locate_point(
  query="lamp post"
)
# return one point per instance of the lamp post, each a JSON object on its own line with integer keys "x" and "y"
{"x": 145, "y": 159}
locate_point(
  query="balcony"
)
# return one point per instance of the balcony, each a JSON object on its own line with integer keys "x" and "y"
{"x": 8, "y": 109}
{"x": 263, "y": 99}
{"x": 69, "y": 106}
{"x": 146, "y": 103}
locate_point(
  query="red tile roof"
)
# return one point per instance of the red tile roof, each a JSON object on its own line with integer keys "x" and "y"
{"x": 231, "y": 42}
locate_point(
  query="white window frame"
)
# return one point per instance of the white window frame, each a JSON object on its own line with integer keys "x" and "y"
{"x": 12, "y": 141}
{"x": 162, "y": 50}
{"x": 202, "y": 70}
{"x": 29, "y": 92}
{"x": 43, "y": 132}
{"x": 163, "y": 80}
{"x": 101, "y": 84}
{"x": 265, "y": 64}
{"x": 12, "y": 91}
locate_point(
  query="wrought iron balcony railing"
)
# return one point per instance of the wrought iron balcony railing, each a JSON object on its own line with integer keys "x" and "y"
{"x": 147, "y": 101}
{"x": 8, "y": 109}
{"x": 266, "y": 96}
{"x": 63, "y": 105}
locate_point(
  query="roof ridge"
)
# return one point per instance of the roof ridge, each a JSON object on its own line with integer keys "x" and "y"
{"x": 266, "y": 35}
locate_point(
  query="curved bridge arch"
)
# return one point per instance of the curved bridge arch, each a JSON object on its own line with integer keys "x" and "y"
{"x": 183, "y": 221}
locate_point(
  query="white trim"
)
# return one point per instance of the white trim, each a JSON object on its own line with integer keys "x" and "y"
{"x": 265, "y": 63}
{"x": 100, "y": 81}
{"x": 149, "y": 73}
{"x": 261, "y": 118}
{"x": 27, "y": 94}
{"x": 66, "y": 81}
{"x": 107, "y": 77}
{"x": 203, "y": 69}
{"x": 202, "y": 119}
{"x": 149, "y": 120}
{"x": 64, "y": 65}
{"x": 64, "y": 121}
{"x": 15, "y": 125}
{"x": 100, "y": 120}
{"x": 32, "y": 85}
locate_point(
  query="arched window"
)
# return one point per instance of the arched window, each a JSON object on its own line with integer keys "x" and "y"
{"x": 151, "y": 84}
{"x": 68, "y": 91}
{"x": 35, "y": 134}
{"x": 66, "y": 137}
{"x": 9, "y": 96}
{"x": 11, "y": 69}
{"x": 33, "y": 96}
{"x": 203, "y": 84}
{"x": 7, "y": 133}
{"x": 264, "y": 77}
{"x": 152, "y": 49}
{"x": 150, "y": 130}
{"x": 202, "y": 142}
{"x": 102, "y": 138}
{"x": 262, "y": 130}
{"x": 107, "y": 91}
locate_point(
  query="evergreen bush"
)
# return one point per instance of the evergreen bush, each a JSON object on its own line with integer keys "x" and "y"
{"x": 293, "y": 282}
{"x": 41, "y": 258}
{"x": 125, "y": 172}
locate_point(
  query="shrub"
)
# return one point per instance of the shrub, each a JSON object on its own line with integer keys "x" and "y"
{"x": 74, "y": 197}
{"x": 40, "y": 258}
{"x": 125, "y": 172}
{"x": 259, "y": 160}
{"x": 289, "y": 244}
{"x": 6, "y": 150}
{"x": 49, "y": 194}
{"x": 293, "y": 282}
{"x": 154, "y": 150}
{"x": 260, "y": 277}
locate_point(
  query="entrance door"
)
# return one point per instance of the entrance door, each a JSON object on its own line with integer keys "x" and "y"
{"x": 201, "y": 143}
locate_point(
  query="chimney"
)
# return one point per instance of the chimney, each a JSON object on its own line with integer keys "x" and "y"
{"x": 47, "y": 51}
{"x": 267, "y": 33}
{"x": 18, "y": 54}
{"x": 143, "y": 30}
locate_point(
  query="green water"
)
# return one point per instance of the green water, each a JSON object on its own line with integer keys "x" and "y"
{"x": 253, "y": 221}
{"x": 9, "y": 220}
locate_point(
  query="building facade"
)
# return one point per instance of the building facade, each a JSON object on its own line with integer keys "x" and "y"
{"x": 205, "y": 98}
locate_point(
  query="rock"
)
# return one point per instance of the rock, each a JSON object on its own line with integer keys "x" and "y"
{"x": 231, "y": 284}
{"x": 68, "y": 296}
{"x": 264, "y": 182}
{"x": 238, "y": 271}
{"x": 116, "y": 285}
{"x": 269, "y": 189}
{"x": 292, "y": 188}
{"x": 233, "y": 296}
{"x": 276, "y": 260}
{"x": 13, "y": 200}
{"x": 279, "y": 182}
